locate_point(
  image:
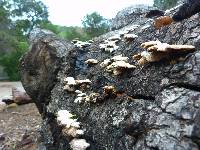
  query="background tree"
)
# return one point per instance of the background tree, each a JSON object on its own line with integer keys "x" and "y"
{"x": 7, "y": 38}
{"x": 17, "y": 19}
{"x": 94, "y": 24}
{"x": 31, "y": 13}
{"x": 68, "y": 33}
{"x": 165, "y": 4}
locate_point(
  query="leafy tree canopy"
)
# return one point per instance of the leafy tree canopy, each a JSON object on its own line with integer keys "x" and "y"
{"x": 17, "y": 19}
{"x": 34, "y": 12}
{"x": 94, "y": 24}
{"x": 165, "y": 4}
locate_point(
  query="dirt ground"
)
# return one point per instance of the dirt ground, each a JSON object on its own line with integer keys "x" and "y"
{"x": 19, "y": 124}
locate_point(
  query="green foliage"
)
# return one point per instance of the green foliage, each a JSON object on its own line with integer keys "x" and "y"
{"x": 17, "y": 19}
{"x": 10, "y": 61}
{"x": 49, "y": 26}
{"x": 165, "y": 4}
{"x": 33, "y": 12}
{"x": 94, "y": 24}
{"x": 71, "y": 33}
{"x": 68, "y": 33}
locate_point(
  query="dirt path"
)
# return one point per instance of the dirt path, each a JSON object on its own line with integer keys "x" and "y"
{"x": 19, "y": 124}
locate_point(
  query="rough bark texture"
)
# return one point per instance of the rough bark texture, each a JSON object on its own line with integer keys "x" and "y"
{"x": 157, "y": 106}
{"x": 129, "y": 15}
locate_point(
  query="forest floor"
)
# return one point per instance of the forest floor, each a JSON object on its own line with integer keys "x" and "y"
{"x": 19, "y": 124}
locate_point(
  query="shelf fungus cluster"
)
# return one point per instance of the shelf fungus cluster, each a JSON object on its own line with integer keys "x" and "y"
{"x": 71, "y": 129}
{"x": 71, "y": 83}
{"x": 84, "y": 98}
{"x": 157, "y": 51}
{"x": 117, "y": 64}
{"x": 81, "y": 44}
{"x": 110, "y": 44}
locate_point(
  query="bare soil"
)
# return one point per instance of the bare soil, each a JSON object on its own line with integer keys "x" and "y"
{"x": 19, "y": 124}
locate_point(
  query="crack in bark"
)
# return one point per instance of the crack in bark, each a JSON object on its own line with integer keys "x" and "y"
{"x": 144, "y": 97}
{"x": 185, "y": 86}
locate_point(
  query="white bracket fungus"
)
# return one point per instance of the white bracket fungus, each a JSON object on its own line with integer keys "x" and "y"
{"x": 84, "y": 98}
{"x": 91, "y": 41}
{"x": 91, "y": 61}
{"x": 105, "y": 63}
{"x": 119, "y": 58}
{"x": 71, "y": 83}
{"x": 114, "y": 38}
{"x": 79, "y": 144}
{"x": 157, "y": 51}
{"x": 71, "y": 126}
{"x": 130, "y": 37}
{"x": 110, "y": 44}
{"x": 117, "y": 67}
{"x": 150, "y": 43}
{"x": 116, "y": 64}
{"x": 81, "y": 44}
{"x": 164, "y": 47}
{"x": 86, "y": 81}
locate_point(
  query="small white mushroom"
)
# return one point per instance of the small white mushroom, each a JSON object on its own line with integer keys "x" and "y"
{"x": 93, "y": 97}
{"x": 119, "y": 58}
{"x": 79, "y": 100}
{"x": 74, "y": 41}
{"x": 81, "y": 44}
{"x": 109, "y": 46}
{"x": 116, "y": 67}
{"x": 130, "y": 36}
{"x": 114, "y": 38}
{"x": 109, "y": 49}
{"x": 65, "y": 118}
{"x": 78, "y": 92}
{"x": 86, "y": 81}
{"x": 72, "y": 132}
{"x": 145, "y": 27}
{"x": 70, "y": 81}
{"x": 150, "y": 43}
{"x": 70, "y": 125}
{"x": 120, "y": 64}
{"x": 105, "y": 63}
{"x": 79, "y": 144}
{"x": 81, "y": 95}
{"x": 91, "y": 61}
{"x": 90, "y": 41}
{"x": 102, "y": 46}
{"x": 121, "y": 33}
